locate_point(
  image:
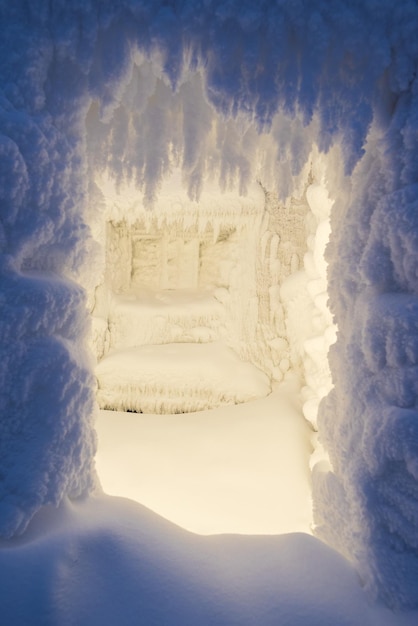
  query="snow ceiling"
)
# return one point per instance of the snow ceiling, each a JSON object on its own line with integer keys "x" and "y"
{"x": 254, "y": 90}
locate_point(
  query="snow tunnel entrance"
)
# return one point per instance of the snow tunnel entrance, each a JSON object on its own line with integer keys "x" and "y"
{"x": 208, "y": 321}
{"x": 180, "y": 322}
{"x": 207, "y": 92}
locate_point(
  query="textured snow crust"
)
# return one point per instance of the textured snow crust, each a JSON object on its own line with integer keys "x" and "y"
{"x": 236, "y": 469}
{"x": 167, "y": 316}
{"x": 252, "y": 89}
{"x": 374, "y": 363}
{"x": 177, "y": 378}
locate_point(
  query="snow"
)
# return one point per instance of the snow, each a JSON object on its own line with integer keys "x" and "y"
{"x": 238, "y": 469}
{"x": 314, "y": 105}
{"x": 177, "y": 378}
{"x": 41, "y": 367}
{"x": 374, "y": 366}
{"x": 165, "y": 316}
{"x": 110, "y": 560}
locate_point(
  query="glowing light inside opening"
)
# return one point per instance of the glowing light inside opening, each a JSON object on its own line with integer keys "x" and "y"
{"x": 240, "y": 468}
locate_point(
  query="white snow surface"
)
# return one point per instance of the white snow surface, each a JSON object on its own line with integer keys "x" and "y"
{"x": 110, "y": 561}
{"x": 227, "y": 92}
{"x": 177, "y": 378}
{"x": 169, "y": 316}
{"x": 238, "y": 469}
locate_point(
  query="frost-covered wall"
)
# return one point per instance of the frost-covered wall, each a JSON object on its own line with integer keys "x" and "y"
{"x": 369, "y": 420}
{"x": 279, "y": 77}
{"x": 238, "y": 250}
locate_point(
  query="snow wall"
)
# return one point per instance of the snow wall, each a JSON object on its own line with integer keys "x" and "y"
{"x": 294, "y": 74}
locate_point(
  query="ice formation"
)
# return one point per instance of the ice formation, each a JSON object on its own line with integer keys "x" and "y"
{"x": 317, "y": 102}
{"x": 177, "y": 378}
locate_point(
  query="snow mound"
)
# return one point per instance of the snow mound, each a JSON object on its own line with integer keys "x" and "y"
{"x": 177, "y": 378}
{"x": 152, "y": 317}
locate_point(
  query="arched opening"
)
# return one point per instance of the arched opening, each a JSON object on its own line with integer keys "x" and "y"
{"x": 282, "y": 97}
{"x": 212, "y": 294}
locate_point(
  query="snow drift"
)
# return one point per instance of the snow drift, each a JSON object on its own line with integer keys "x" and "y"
{"x": 126, "y": 564}
{"x": 253, "y": 88}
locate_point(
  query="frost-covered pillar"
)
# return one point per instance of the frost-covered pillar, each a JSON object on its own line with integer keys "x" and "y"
{"x": 56, "y": 59}
{"x": 368, "y": 505}
{"x": 46, "y": 404}
{"x": 47, "y": 441}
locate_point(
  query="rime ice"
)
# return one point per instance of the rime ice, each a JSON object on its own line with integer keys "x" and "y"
{"x": 315, "y": 101}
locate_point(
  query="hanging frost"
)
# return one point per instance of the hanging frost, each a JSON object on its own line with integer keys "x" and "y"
{"x": 228, "y": 92}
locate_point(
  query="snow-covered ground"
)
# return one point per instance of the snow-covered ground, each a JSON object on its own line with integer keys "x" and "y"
{"x": 107, "y": 561}
{"x": 238, "y": 469}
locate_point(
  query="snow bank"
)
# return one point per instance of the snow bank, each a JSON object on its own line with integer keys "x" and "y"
{"x": 237, "y": 469}
{"x": 110, "y": 560}
{"x": 368, "y": 422}
{"x": 252, "y": 88}
{"x": 47, "y": 401}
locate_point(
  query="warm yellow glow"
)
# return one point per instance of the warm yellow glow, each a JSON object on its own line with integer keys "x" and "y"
{"x": 240, "y": 469}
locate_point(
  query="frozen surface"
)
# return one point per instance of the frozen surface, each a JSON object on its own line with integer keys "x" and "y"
{"x": 369, "y": 421}
{"x": 167, "y": 316}
{"x": 111, "y": 561}
{"x": 236, "y": 469}
{"x": 227, "y": 92}
{"x": 177, "y": 377}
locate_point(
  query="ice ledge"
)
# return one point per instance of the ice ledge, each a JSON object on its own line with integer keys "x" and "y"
{"x": 177, "y": 378}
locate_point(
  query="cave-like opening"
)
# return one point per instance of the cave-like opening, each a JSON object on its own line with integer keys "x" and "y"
{"x": 208, "y": 301}
{"x": 284, "y": 95}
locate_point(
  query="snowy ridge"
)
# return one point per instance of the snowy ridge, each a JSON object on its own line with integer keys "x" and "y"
{"x": 139, "y": 568}
{"x": 373, "y": 454}
{"x": 175, "y": 316}
{"x": 149, "y": 379}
